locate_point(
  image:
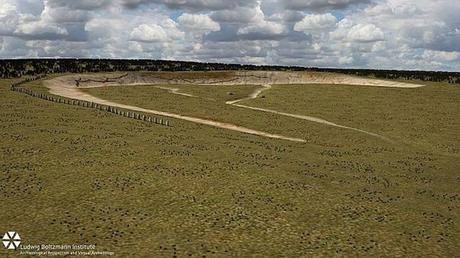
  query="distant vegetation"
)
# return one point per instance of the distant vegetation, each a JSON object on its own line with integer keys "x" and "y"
{"x": 433, "y": 76}
{"x": 21, "y": 67}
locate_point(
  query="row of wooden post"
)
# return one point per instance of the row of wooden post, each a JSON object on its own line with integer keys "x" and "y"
{"x": 81, "y": 103}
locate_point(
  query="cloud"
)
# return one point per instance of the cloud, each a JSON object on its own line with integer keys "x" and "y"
{"x": 104, "y": 28}
{"x": 79, "y": 4}
{"x": 227, "y": 33}
{"x": 415, "y": 34}
{"x": 172, "y": 30}
{"x": 441, "y": 56}
{"x": 237, "y": 15}
{"x": 40, "y": 29}
{"x": 64, "y": 15}
{"x": 262, "y": 30}
{"x": 318, "y": 5}
{"x": 197, "y": 22}
{"x": 148, "y": 33}
{"x": 316, "y": 22}
{"x": 196, "y": 5}
{"x": 7, "y": 8}
{"x": 365, "y": 33}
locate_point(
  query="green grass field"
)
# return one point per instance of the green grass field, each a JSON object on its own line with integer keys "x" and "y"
{"x": 77, "y": 175}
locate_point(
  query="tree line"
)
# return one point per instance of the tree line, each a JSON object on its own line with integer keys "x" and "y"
{"x": 14, "y": 68}
{"x": 433, "y": 76}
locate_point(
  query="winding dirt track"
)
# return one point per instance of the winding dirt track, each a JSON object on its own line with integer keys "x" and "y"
{"x": 302, "y": 117}
{"x": 175, "y": 91}
{"x": 75, "y": 93}
{"x": 65, "y": 87}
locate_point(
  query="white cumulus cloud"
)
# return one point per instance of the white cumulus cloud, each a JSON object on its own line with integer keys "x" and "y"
{"x": 366, "y": 33}
{"x": 197, "y": 22}
{"x": 316, "y": 22}
{"x": 149, "y": 33}
{"x": 401, "y": 34}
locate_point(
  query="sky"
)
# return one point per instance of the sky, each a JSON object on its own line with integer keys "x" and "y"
{"x": 379, "y": 34}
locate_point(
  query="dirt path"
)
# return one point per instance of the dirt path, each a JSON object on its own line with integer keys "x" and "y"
{"x": 72, "y": 92}
{"x": 253, "y": 95}
{"x": 265, "y": 87}
{"x": 175, "y": 91}
{"x": 65, "y": 86}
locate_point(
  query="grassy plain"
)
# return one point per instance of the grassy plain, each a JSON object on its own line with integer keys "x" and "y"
{"x": 76, "y": 175}
{"x": 210, "y": 104}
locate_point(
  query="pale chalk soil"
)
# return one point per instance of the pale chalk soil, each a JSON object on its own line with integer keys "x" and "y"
{"x": 66, "y": 86}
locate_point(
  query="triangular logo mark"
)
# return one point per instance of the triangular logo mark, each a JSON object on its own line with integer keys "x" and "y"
{"x": 17, "y": 237}
{"x": 16, "y": 244}
{"x": 11, "y": 240}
